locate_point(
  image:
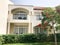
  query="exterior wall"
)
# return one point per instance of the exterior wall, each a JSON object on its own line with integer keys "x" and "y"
{"x": 12, "y": 25}
{"x": 12, "y": 7}
{"x": 3, "y": 16}
{"x": 11, "y": 28}
{"x": 8, "y": 18}
{"x": 32, "y": 21}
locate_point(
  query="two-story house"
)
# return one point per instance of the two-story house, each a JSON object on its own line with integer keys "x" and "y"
{"x": 23, "y": 18}
{"x": 20, "y": 19}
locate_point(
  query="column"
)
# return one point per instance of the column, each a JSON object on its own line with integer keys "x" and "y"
{"x": 8, "y": 28}
{"x": 32, "y": 28}
{"x": 29, "y": 30}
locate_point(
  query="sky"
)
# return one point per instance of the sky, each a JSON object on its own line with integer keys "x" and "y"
{"x": 41, "y": 3}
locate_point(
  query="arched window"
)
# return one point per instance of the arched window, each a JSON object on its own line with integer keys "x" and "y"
{"x": 21, "y": 15}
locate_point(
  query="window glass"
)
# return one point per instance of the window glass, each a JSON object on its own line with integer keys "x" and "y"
{"x": 20, "y": 30}
{"x": 38, "y": 16}
{"x": 20, "y": 15}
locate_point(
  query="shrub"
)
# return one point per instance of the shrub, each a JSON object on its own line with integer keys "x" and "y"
{"x": 51, "y": 38}
{"x": 58, "y": 37}
{"x": 41, "y": 37}
{"x": 1, "y": 40}
{"x": 24, "y": 38}
{"x": 8, "y": 38}
{"x": 28, "y": 38}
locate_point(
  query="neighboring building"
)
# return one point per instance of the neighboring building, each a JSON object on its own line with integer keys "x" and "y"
{"x": 3, "y": 15}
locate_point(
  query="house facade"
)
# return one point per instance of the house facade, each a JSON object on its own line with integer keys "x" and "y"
{"x": 20, "y": 19}
{"x": 23, "y": 18}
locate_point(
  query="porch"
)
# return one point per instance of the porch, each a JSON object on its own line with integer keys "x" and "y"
{"x": 19, "y": 28}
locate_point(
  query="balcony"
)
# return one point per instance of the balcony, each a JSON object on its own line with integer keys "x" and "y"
{"x": 18, "y": 19}
{"x": 20, "y": 16}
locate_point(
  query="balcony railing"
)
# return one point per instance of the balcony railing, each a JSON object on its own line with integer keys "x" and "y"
{"x": 24, "y": 18}
{"x": 20, "y": 16}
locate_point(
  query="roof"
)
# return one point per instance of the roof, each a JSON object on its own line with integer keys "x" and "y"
{"x": 39, "y": 8}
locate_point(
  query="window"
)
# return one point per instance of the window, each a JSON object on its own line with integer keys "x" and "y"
{"x": 20, "y": 15}
{"x": 39, "y": 30}
{"x": 20, "y": 30}
{"x": 38, "y": 16}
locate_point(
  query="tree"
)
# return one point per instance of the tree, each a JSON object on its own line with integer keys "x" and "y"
{"x": 51, "y": 15}
{"x": 58, "y": 9}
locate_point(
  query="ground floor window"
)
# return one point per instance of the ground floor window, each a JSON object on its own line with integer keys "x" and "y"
{"x": 20, "y": 30}
{"x": 38, "y": 30}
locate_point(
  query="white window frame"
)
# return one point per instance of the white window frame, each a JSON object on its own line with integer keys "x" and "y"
{"x": 19, "y": 14}
{"x": 18, "y": 30}
{"x": 38, "y": 15}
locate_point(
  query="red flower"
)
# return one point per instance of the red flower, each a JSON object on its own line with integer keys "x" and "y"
{"x": 39, "y": 25}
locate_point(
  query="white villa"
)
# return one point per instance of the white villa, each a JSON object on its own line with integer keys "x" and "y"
{"x": 19, "y": 19}
{"x": 23, "y": 18}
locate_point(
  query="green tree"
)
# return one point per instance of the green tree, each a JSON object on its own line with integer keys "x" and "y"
{"x": 58, "y": 9}
{"x": 51, "y": 15}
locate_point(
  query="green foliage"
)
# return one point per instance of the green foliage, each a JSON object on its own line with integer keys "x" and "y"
{"x": 8, "y": 38}
{"x": 58, "y": 7}
{"x": 1, "y": 40}
{"x": 57, "y": 27}
{"x": 29, "y": 38}
{"x": 52, "y": 13}
{"x": 51, "y": 37}
{"x": 49, "y": 10}
{"x": 58, "y": 37}
{"x": 41, "y": 37}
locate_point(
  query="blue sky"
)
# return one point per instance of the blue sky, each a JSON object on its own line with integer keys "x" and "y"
{"x": 42, "y": 3}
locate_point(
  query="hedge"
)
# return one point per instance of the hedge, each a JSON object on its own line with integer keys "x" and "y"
{"x": 51, "y": 38}
{"x": 28, "y": 38}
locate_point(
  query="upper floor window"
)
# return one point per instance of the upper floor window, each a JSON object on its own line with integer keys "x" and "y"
{"x": 20, "y": 15}
{"x": 38, "y": 16}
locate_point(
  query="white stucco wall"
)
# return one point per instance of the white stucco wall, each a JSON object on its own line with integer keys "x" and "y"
{"x": 3, "y": 15}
